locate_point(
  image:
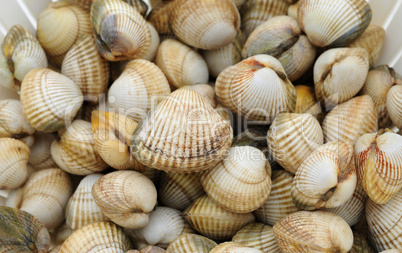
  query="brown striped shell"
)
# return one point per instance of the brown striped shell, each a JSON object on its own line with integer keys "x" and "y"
{"x": 233, "y": 247}
{"x": 259, "y": 236}
{"x": 191, "y": 243}
{"x": 394, "y": 104}
{"x": 205, "y": 90}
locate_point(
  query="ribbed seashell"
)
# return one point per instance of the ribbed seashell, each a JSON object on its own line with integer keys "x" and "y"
{"x": 14, "y": 198}
{"x": 279, "y": 203}
{"x": 317, "y": 231}
{"x": 206, "y": 91}
{"x": 292, "y": 137}
{"x": 281, "y": 38}
{"x": 155, "y": 42}
{"x": 216, "y": 26}
{"x": 22, "y": 232}
{"x": 321, "y": 22}
{"x": 55, "y": 249}
{"x": 14, "y": 155}
{"x": 195, "y": 136}
{"x": 213, "y": 221}
{"x": 179, "y": 190}
{"x": 305, "y": 100}
{"x": 394, "y": 104}
{"x": 257, "y": 88}
{"x": 19, "y": 54}
{"x": 384, "y": 223}
{"x": 159, "y": 17}
{"x": 337, "y": 125}
{"x": 125, "y": 197}
{"x": 152, "y": 174}
{"x": 233, "y": 247}
{"x": 40, "y": 157}
{"x": 46, "y": 194}
{"x": 372, "y": 40}
{"x": 181, "y": 64}
{"x": 225, "y": 114}
{"x": 139, "y": 5}
{"x": 224, "y": 57}
{"x": 84, "y": 65}
{"x": 392, "y": 251}
{"x": 13, "y": 122}
{"x": 96, "y": 237}
{"x": 256, "y": 12}
{"x": 292, "y": 10}
{"x": 138, "y": 89}
{"x": 326, "y": 178}
{"x": 360, "y": 244}
{"x": 75, "y": 151}
{"x": 379, "y": 165}
{"x": 62, "y": 234}
{"x": 120, "y": 30}
{"x": 149, "y": 249}
{"x": 259, "y": 236}
{"x": 55, "y": 34}
{"x": 241, "y": 182}
{"x": 49, "y": 99}
{"x": 191, "y": 243}
{"x": 339, "y": 74}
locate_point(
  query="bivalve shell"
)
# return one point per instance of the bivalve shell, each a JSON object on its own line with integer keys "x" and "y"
{"x": 233, "y": 247}
{"x": 394, "y": 105}
{"x": 159, "y": 17}
{"x": 41, "y": 157}
{"x": 191, "y": 243}
{"x": 205, "y": 90}
{"x": 259, "y": 236}
{"x": 306, "y": 102}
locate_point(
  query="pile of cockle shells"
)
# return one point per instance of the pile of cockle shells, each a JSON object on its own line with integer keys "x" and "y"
{"x": 176, "y": 126}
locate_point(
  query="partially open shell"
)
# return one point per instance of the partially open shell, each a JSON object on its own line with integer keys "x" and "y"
{"x": 394, "y": 105}
{"x": 259, "y": 236}
{"x": 191, "y": 243}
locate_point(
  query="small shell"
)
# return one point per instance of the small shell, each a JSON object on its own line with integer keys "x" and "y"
{"x": 306, "y": 102}
{"x": 40, "y": 157}
{"x": 62, "y": 234}
{"x": 181, "y": 65}
{"x": 233, "y": 247}
{"x": 324, "y": 26}
{"x": 205, "y": 90}
{"x": 125, "y": 197}
{"x": 259, "y": 236}
{"x": 191, "y": 243}
{"x": 394, "y": 105}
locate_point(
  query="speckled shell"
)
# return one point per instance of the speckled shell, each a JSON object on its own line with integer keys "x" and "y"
{"x": 40, "y": 157}
{"x": 183, "y": 134}
{"x": 191, "y": 243}
{"x": 259, "y": 236}
{"x": 233, "y": 247}
{"x": 394, "y": 105}
{"x": 213, "y": 221}
{"x": 321, "y": 22}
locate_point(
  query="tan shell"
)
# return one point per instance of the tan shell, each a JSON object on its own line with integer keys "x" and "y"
{"x": 241, "y": 182}
{"x": 205, "y": 90}
{"x": 233, "y": 247}
{"x": 317, "y": 231}
{"x": 40, "y": 157}
{"x": 257, "y": 88}
{"x": 46, "y": 194}
{"x": 213, "y": 221}
{"x": 394, "y": 105}
{"x": 14, "y": 155}
{"x": 55, "y": 34}
{"x": 292, "y": 137}
{"x": 125, "y": 197}
{"x": 120, "y": 30}
{"x": 392, "y": 251}
{"x": 321, "y": 22}
{"x": 337, "y": 125}
{"x": 139, "y": 5}
{"x": 149, "y": 249}
{"x": 195, "y": 138}
{"x": 159, "y": 17}
{"x": 205, "y": 24}
{"x": 62, "y": 234}
{"x": 239, "y": 3}
{"x": 181, "y": 64}
{"x": 306, "y": 102}
{"x": 49, "y": 99}
{"x": 292, "y": 10}
{"x": 191, "y": 243}
{"x": 95, "y": 237}
{"x": 14, "y": 198}
{"x": 259, "y": 236}
{"x": 155, "y": 42}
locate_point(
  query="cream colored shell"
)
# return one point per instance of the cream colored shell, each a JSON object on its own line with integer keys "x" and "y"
{"x": 191, "y": 243}
{"x": 41, "y": 157}
{"x": 394, "y": 105}
{"x": 258, "y": 236}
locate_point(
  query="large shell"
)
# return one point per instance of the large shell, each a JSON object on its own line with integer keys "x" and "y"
{"x": 213, "y": 221}
{"x": 205, "y": 24}
{"x": 259, "y": 236}
{"x": 22, "y": 232}
{"x": 125, "y": 197}
{"x": 233, "y": 247}
{"x": 205, "y": 90}
{"x": 317, "y": 231}
{"x": 292, "y": 137}
{"x": 257, "y": 88}
{"x": 183, "y": 134}
{"x": 40, "y": 157}
{"x": 120, "y": 30}
{"x": 19, "y": 54}
{"x": 394, "y": 105}
{"x": 191, "y": 243}
{"x": 56, "y": 34}
{"x": 333, "y": 23}
{"x": 49, "y": 99}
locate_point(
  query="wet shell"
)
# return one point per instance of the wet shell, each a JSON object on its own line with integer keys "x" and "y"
{"x": 22, "y": 232}
{"x": 120, "y": 30}
{"x": 205, "y": 90}
{"x": 181, "y": 64}
{"x": 337, "y": 125}
{"x": 191, "y": 243}
{"x": 19, "y": 54}
{"x": 394, "y": 105}
{"x": 257, "y": 88}
{"x": 241, "y": 182}
{"x": 333, "y": 24}
{"x": 233, "y": 247}
{"x": 40, "y": 157}
{"x": 125, "y": 197}
{"x": 49, "y": 99}
{"x": 96, "y": 237}
{"x": 183, "y": 134}
{"x": 317, "y": 231}
{"x": 292, "y": 137}
{"x": 55, "y": 34}
{"x": 259, "y": 236}
{"x": 217, "y": 22}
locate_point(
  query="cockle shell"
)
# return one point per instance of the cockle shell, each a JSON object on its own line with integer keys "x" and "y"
{"x": 305, "y": 100}
{"x": 317, "y": 231}
{"x": 149, "y": 249}
{"x": 324, "y": 26}
{"x": 216, "y": 26}
{"x": 22, "y": 232}
{"x": 259, "y": 236}
{"x": 292, "y": 10}
{"x": 14, "y": 198}
{"x": 292, "y": 137}
{"x": 239, "y": 3}
{"x": 41, "y": 157}
{"x": 392, "y": 251}
{"x": 205, "y": 90}
{"x": 183, "y": 134}
{"x": 62, "y": 234}
{"x": 19, "y": 54}
{"x": 191, "y": 243}
{"x": 49, "y": 99}
{"x": 125, "y": 197}
{"x": 139, "y": 5}
{"x": 213, "y": 221}
{"x": 394, "y": 104}
{"x": 155, "y": 42}
{"x": 159, "y": 17}
{"x": 233, "y": 247}
{"x": 257, "y": 88}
